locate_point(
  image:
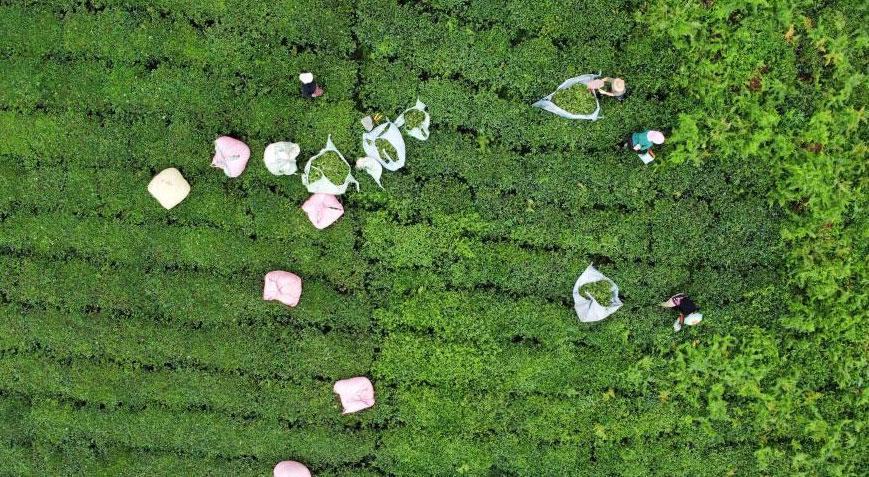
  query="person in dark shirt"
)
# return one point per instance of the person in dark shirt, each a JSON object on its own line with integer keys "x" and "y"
{"x": 688, "y": 311}
{"x": 310, "y": 88}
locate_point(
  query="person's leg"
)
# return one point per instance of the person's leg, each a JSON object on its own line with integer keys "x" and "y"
{"x": 627, "y": 143}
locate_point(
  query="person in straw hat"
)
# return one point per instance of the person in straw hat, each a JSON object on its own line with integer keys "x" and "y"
{"x": 614, "y": 87}
{"x": 310, "y": 88}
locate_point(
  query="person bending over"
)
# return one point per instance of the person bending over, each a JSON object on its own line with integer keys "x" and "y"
{"x": 310, "y": 88}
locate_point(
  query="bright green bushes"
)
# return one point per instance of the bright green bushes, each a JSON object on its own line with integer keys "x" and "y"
{"x": 201, "y": 433}
{"x": 795, "y": 107}
{"x": 135, "y": 340}
{"x": 113, "y": 386}
{"x": 263, "y": 352}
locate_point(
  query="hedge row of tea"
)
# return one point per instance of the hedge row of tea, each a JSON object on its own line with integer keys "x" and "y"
{"x": 784, "y": 84}
{"x": 135, "y": 340}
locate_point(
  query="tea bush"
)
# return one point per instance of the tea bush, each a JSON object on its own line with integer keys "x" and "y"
{"x": 135, "y": 340}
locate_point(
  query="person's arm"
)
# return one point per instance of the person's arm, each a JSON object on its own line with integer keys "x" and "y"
{"x": 651, "y": 152}
{"x": 606, "y": 86}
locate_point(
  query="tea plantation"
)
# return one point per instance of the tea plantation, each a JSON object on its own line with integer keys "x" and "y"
{"x": 135, "y": 341}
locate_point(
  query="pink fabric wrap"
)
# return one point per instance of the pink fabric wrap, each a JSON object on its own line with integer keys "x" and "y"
{"x": 356, "y": 394}
{"x": 231, "y": 155}
{"x": 282, "y": 286}
{"x": 323, "y": 209}
{"x": 291, "y": 468}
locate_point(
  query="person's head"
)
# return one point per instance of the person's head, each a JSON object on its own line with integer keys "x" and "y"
{"x": 595, "y": 84}
{"x": 657, "y": 137}
{"x": 618, "y": 86}
{"x": 306, "y": 77}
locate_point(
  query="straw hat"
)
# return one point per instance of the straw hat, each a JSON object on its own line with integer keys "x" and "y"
{"x": 673, "y": 302}
{"x": 306, "y": 77}
{"x": 657, "y": 137}
{"x": 618, "y": 86}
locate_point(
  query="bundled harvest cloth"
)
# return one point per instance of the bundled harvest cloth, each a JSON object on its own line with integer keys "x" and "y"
{"x": 388, "y": 132}
{"x": 356, "y": 394}
{"x": 322, "y": 183}
{"x": 323, "y": 210}
{"x": 375, "y": 159}
{"x": 378, "y": 158}
{"x": 280, "y": 158}
{"x": 169, "y": 187}
{"x": 371, "y": 167}
{"x": 282, "y": 286}
{"x": 291, "y": 468}
{"x": 587, "y": 308}
{"x": 421, "y": 131}
{"x": 546, "y": 103}
{"x": 231, "y": 155}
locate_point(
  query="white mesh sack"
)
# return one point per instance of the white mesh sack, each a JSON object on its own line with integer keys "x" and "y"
{"x": 546, "y": 102}
{"x": 372, "y": 167}
{"x": 389, "y": 132}
{"x": 322, "y": 183}
{"x": 419, "y": 132}
{"x": 587, "y": 308}
{"x": 280, "y": 158}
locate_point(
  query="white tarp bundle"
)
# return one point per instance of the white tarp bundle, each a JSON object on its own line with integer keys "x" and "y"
{"x": 169, "y": 187}
{"x": 280, "y": 158}
{"x": 420, "y": 132}
{"x": 323, "y": 184}
{"x": 587, "y": 308}
{"x": 389, "y": 132}
{"x": 691, "y": 320}
{"x": 546, "y": 102}
{"x": 372, "y": 167}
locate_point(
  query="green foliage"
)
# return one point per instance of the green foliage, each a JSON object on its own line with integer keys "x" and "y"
{"x": 135, "y": 340}
{"x": 599, "y": 290}
{"x": 797, "y": 106}
{"x": 385, "y": 148}
{"x": 413, "y": 119}
{"x": 576, "y": 99}
{"x": 331, "y": 166}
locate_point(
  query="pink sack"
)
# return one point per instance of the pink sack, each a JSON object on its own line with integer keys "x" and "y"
{"x": 323, "y": 209}
{"x": 231, "y": 155}
{"x": 291, "y": 468}
{"x": 282, "y": 286}
{"x": 356, "y": 394}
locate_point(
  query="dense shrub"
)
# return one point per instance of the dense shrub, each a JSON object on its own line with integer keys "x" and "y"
{"x": 135, "y": 340}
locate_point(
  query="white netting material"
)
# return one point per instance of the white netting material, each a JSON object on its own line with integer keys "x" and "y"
{"x": 420, "y": 132}
{"x": 323, "y": 184}
{"x": 546, "y": 103}
{"x": 390, "y": 133}
{"x": 587, "y": 308}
